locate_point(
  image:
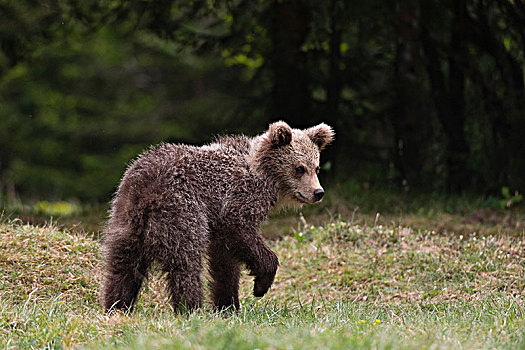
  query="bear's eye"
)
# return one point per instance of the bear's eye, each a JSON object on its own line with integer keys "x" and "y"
{"x": 317, "y": 170}
{"x": 300, "y": 170}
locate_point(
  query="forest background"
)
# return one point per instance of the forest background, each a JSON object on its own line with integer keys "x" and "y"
{"x": 424, "y": 96}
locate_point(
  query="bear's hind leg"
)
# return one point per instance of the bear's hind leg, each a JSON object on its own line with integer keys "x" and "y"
{"x": 125, "y": 270}
{"x": 180, "y": 238}
{"x": 184, "y": 285}
{"x": 225, "y": 272}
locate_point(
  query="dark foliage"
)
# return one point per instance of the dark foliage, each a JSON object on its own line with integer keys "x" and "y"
{"x": 427, "y": 94}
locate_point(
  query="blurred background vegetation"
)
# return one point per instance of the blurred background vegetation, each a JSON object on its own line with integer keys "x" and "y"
{"x": 424, "y": 96}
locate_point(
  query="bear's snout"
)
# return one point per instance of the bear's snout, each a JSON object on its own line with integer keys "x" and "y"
{"x": 318, "y": 194}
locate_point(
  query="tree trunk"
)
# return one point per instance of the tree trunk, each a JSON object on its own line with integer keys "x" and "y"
{"x": 334, "y": 85}
{"x": 452, "y": 114}
{"x": 508, "y": 121}
{"x": 448, "y": 92}
{"x": 291, "y": 99}
{"x": 411, "y": 123}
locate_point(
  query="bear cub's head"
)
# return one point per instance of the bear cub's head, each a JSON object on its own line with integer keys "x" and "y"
{"x": 291, "y": 156}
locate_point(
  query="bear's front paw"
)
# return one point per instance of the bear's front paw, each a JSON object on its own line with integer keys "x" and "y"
{"x": 263, "y": 280}
{"x": 262, "y": 284}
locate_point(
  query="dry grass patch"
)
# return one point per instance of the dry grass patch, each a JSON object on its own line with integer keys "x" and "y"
{"x": 396, "y": 264}
{"x": 47, "y": 262}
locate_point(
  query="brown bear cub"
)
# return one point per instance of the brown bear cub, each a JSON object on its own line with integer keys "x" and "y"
{"x": 178, "y": 203}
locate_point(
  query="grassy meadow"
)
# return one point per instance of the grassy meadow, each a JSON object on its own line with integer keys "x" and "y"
{"x": 347, "y": 282}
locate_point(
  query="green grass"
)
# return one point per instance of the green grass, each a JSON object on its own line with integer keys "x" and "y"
{"x": 340, "y": 285}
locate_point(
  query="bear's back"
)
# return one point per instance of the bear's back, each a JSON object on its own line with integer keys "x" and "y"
{"x": 236, "y": 144}
{"x": 182, "y": 173}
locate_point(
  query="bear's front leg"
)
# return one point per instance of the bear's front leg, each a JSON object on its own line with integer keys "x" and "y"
{"x": 249, "y": 247}
{"x": 239, "y": 230}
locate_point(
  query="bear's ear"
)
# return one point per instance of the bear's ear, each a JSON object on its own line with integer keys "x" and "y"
{"x": 321, "y": 135}
{"x": 280, "y": 134}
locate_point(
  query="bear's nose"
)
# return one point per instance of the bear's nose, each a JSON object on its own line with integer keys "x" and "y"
{"x": 318, "y": 194}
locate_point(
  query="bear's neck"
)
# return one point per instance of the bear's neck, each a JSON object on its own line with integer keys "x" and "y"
{"x": 262, "y": 172}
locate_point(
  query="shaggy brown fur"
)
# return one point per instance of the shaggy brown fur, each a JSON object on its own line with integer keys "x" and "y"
{"x": 177, "y": 203}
